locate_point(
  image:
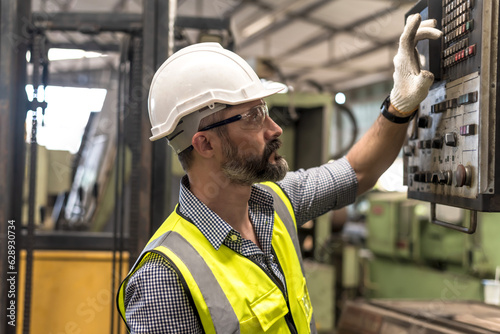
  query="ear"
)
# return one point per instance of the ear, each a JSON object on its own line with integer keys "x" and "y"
{"x": 202, "y": 143}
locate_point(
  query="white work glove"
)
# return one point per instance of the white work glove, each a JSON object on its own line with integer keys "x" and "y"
{"x": 411, "y": 84}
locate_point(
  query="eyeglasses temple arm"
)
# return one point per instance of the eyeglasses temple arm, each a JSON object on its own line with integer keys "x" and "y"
{"x": 221, "y": 123}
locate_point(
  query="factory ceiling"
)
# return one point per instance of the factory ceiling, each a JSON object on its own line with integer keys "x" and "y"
{"x": 329, "y": 45}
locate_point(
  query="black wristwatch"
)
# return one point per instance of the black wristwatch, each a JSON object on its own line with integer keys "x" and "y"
{"x": 384, "y": 110}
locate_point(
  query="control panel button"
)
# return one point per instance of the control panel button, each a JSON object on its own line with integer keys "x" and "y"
{"x": 428, "y": 177}
{"x": 417, "y": 177}
{"x": 437, "y": 143}
{"x": 412, "y": 169}
{"x": 467, "y": 98}
{"x": 439, "y": 107}
{"x": 423, "y": 144}
{"x": 450, "y": 139}
{"x": 468, "y": 130}
{"x": 450, "y": 104}
{"x": 444, "y": 177}
{"x": 462, "y": 176}
{"x": 423, "y": 122}
{"x": 408, "y": 150}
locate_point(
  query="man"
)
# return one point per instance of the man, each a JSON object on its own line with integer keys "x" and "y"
{"x": 227, "y": 260}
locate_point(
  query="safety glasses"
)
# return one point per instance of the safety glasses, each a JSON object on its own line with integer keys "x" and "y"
{"x": 253, "y": 119}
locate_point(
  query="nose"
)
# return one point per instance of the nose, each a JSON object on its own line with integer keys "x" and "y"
{"x": 273, "y": 130}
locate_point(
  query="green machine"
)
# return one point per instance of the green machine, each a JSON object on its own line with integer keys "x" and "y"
{"x": 414, "y": 259}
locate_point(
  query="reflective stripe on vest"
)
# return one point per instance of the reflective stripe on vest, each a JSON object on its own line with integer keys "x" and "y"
{"x": 221, "y": 311}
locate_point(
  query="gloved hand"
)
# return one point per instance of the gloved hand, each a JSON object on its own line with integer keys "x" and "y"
{"x": 411, "y": 84}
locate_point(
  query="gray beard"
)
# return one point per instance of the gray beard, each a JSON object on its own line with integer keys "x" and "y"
{"x": 249, "y": 169}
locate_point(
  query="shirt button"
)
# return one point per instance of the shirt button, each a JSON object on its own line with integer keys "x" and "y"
{"x": 234, "y": 237}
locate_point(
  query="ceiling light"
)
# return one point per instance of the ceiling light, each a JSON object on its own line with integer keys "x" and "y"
{"x": 258, "y": 25}
{"x": 60, "y": 54}
{"x": 340, "y": 98}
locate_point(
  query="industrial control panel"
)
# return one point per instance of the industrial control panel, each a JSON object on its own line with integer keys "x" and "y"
{"x": 451, "y": 155}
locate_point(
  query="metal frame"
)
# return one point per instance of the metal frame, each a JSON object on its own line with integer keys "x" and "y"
{"x": 88, "y": 22}
{"x": 149, "y": 30}
{"x": 14, "y": 37}
{"x": 73, "y": 241}
{"x": 328, "y": 31}
{"x": 469, "y": 230}
{"x": 93, "y": 23}
{"x": 151, "y": 175}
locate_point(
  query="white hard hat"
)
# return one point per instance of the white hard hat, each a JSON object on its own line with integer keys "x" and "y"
{"x": 201, "y": 77}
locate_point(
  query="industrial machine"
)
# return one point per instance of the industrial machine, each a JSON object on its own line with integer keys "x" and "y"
{"x": 415, "y": 259}
{"x": 451, "y": 156}
{"x": 419, "y": 317}
{"x": 451, "y": 161}
{"x": 419, "y": 277}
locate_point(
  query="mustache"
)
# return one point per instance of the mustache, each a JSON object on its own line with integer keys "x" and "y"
{"x": 271, "y": 147}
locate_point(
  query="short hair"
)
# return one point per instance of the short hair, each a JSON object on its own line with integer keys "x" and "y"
{"x": 186, "y": 157}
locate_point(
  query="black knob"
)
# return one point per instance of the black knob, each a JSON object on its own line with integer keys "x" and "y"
{"x": 444, "y": 177}
{"x": 423, "y": 122}
{"x": 437, "y": 143}
{"x": 428, "y": 177}
{"x": 417, "y": 177}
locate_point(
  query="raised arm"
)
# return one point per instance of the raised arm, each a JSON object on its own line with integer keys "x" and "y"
{"x": 378, "y": 148}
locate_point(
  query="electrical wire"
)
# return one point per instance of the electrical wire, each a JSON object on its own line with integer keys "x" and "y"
{"x": 354, "y": 134}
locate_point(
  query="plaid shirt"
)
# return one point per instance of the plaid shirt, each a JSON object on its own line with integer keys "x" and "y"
{"x": 155, "y": 300}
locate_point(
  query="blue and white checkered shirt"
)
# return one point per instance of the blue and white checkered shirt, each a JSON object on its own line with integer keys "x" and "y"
{"x": 155, "y": 300}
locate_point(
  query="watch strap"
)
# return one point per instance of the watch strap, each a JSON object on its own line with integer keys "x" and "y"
{"x": 384, "y": 110}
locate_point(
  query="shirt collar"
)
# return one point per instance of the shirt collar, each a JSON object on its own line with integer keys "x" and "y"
{"x": 214, "y": 228}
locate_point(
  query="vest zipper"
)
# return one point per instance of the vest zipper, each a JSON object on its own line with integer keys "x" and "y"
{"x": 277, "y": 282}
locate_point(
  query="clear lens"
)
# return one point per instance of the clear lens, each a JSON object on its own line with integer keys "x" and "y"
{"x": 254, "y": 118}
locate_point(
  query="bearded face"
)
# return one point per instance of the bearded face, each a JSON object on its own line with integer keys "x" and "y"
{"x": 246, "y": 166}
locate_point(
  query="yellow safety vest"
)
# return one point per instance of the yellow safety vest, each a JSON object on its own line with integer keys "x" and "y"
{"x": 231, "y": 293}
